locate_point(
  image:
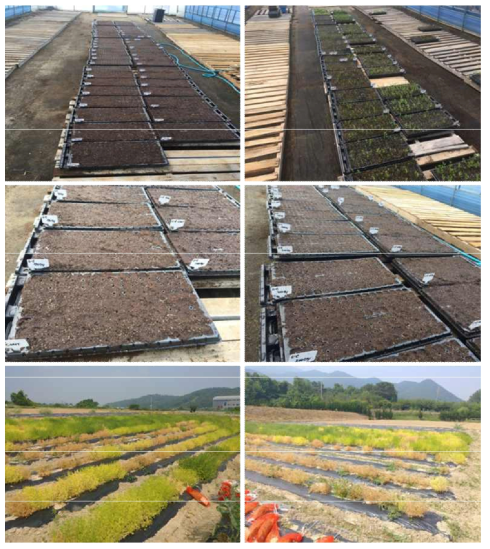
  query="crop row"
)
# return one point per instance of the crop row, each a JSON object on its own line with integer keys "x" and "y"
{"x": 27, "y": 501}
{"x": 343, "y": 489}
{"x": 135, "y": 508}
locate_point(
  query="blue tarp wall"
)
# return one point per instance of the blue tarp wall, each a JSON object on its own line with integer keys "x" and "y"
{"x": 224, "y": 18}
{"x": 464, "y": 197}
{"x": 467, "y": 18}
{"x": 15, "y": 11}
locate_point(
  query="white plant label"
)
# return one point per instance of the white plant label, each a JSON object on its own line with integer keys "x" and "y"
{"x": 380, "y": 204}
{"x": 276, "y": 195}
{"x": 428, "y": 277}
{"x": 370, "y": 197}
{"x": 340, "y": 200}
{"x": 16, "y": 345}
{"x": 359, "y": 218}
{"x": 49, "y": 220}
{"x": 279, "y": 215}
{"x": 396, "y": 248}
{"x": 335, "y": 187}
{"x": 307, "y": 356}
{"x": 176, "y": 224}
{"x": 198, "y": 263}
{"x": 60, "y": 194}
{"x": 373, "y": 230}
{"x": 284, "y": 227}
{"x": 164, "y": 200}
{"x": 275, "y": 204}
{"x": 278, "y": 292}
{"x": 475, "y": 325}
{"x": 284, "y": 249}
{"x": 37, "y": 264}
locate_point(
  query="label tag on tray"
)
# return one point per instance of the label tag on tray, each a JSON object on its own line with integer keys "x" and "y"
{"x": 176, "y": 224}
{"x": 284, "y": 227}
{"x": 359, "y": 218}
{"x": 37, "y": 264}
{"x": 284, "y": 249}
{"x": 198, "y": 263}
{"x": 380, "y": 204}
{"x": 59, "y": 194}
{"x": 275, "y": 204}
{"x": 16, "y": 345}
{"x": 396, "y": 248}
{"x": 335, "y": 187}
{"x": 340, "y": 200}
{"x": 278, "y": 292}
{"x": 370, "y": 197}
{"x": 307, "y": 356}
{"x": 164, "y": 199}
{"x": 49, "y": 220}
{"x": 476, "y": 324}
{"x": 279, "y": 215}
{"x": 373, "y": 230}
{"x": 428, "y": 278}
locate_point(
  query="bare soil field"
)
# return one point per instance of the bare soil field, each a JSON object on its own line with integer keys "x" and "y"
{"x": 270, "y": 414}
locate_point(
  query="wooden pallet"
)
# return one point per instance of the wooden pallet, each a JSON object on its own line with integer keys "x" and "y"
{"x": 457, "y": 227}
{"x": 267, "y": 50}
{"x": 458, "y": 55}
{"x": 29, "y": 35}
{"x": 212, "y": 49}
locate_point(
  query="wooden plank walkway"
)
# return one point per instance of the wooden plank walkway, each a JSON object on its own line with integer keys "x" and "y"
{"x": 458, "y": 55}
{"x": 212, "y": 49}
{"x": 267, "y": 51}
{"x": 29, "y": 35}
{"x": 457, "y": 227}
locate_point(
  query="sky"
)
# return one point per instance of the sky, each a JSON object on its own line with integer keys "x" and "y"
{"x": 71, "y": 384}
{"x": 462, "y": 381}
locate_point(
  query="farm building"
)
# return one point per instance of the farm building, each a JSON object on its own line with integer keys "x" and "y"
{"x": 118, "y": 92}
{"x": 363, "y": 93}
{"x": 226, "y": 402}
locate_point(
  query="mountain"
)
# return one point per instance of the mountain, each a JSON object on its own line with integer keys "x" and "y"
{"x": 203, "y": 398}
{"x": 408, "y": 390}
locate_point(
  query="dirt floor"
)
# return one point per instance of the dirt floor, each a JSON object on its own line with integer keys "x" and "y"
{"x": 38, "y": 95}
{"x": 268, "y": 414}
{"x": 256, "y": 234}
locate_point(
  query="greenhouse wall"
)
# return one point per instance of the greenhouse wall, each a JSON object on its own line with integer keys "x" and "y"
{"x": 15, "y": 11}
{"x": 224, "y": 18}
{"x": 464, "y": 197}
{"x": 467, "y": 18}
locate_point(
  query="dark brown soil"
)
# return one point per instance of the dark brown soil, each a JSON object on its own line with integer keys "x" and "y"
{"x": 448, "y": 270}
{"x": 182, "y": 110}
{"x": 100, "y": 82}
{"x": 147, "y": 84}
{"x": 92, "y": 91}
{"x": 319, "y": 226}
{"x": 194, "y": 132}
{"x": 298, "y": 192}
{"x": 424, "y": 243}
{"x": 448, "y": 350}
{"x": 365, "y": 208}
{"x": 128, "y": 131}
{"x": 346, "y": 191}
{"x": 197, "y": 219}
{"x": 351, "y": 326}
{"x": 388, "y": 224}
{"x": 104, "y": 193}
{"x": 203, "y": 200}
{"x": 309, "y": 278}
{"x": 113, "y": 102}
{"x": 318, "y": 244}
{"x": 110, "y": 72}
{"x": 103, "y": 215}
{"x": 116, "y": 154}
{"x": 164, "y": 73}
{"x": 222, "y": 249}
{"x": 153, "y": 91}
{"x": 320, "y": 210}
{"x": 104, "y": 250}
{"x": 112, "y": 115}
{"x": 66, "y": 311}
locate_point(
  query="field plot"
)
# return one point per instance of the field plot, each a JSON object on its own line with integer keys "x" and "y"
{"x": 365, "y": 484}
{"x": 121, "y": 477}
{"x": 361, "y": 276}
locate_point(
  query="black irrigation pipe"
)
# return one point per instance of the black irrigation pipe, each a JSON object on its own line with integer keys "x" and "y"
{"x": 355, "y": 479}
{"x": 427, "y": 524}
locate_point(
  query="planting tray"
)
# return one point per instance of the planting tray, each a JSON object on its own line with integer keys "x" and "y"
{"x": 319, "y": 210}
{"x": 136, "y": 114}
{"x": 172, "y": 134}
{"x": 197, "y": 219}
{"x": 128, "y": 90}
{"x": 221, "y": 250}
{"x": 108, "y": 102}
{"x": 98, "y": 216}
{"x": 416, "y": 103}
{"x": 320, "y": 226}
{"x": 468, "y": 169}
{"x": 92, "y": 84}
{"x": 400, "y": 91}
{"x": 431, "y": 122}
{"x": 356, "y": 95}
{"x": 366, "y": 128}
{"x": 355, "y": 326}
{"x": 203, "y": 200}
{"x": 284, "y": 281}
{"x": 446, "y": 350}
{"x": 383, "y": 71}
{"x": 351, "y": 111}
{"x": 403, "y": 245}
{"x": 407, "y": 170}
{"x": 424, "y": 39}
{"x": 63, "y": 314}
{"x": 80, "y": 251}
{"x": 375, "y": 59}
{"x": 368, "y": 48}
{"x": 111, "y": 194}
{"x": 127, "y": 131}
{"x": 298, "y": 246}
{"x": 346, "y": 81}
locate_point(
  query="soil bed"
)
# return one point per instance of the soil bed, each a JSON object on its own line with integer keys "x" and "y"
{"x": 328, "y": 278}
{"x": 110, "y": 102}
{"x": 116, "y": 154}
{"x": 103, "y": 216}
{"x": 104, "y": 250}
{"x": 319, "y": 245}
{"x": 119, "y": 194}
{"x": 373, "y": 152}
{"x": 367, "y": 128}
{"x": 356, "y": 326}
{"x": 113, "y": 132}
{"x": 448, "y": 350}
{"x": 402, "y": 171}
{"x": 74, "y": 311}
{"x": 197, "y": 219}
{"x": 111, "y": 115}
{"x": 222, "y": 250}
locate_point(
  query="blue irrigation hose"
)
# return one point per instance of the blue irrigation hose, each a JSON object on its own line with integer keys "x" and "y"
{"x": 205, "y": 71}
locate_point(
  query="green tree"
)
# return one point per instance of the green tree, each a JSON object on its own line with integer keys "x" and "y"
{"x": 193, "y": 408}
{"x": 475, "y": 397}
{"x": 87, "y": 403}
{"x": 21, "y": 399}
{"x": 134, "y": 407}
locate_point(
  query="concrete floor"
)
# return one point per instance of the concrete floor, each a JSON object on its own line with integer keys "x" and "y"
{"x": 38, "y": 95}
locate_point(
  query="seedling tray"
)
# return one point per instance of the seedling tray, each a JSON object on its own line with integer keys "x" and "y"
{"x": 407, "y": 105}
{"x": 305, "y": 279}
{"x": 323, "y": 20}
{"x": 369, "y": 48}
{"x": 222, "y": 250}
{"x": 109, "y": 72}
{"x": 93, "y": 83}
{"x": 108, "y": 102}
{"x": 306, "y": 225}
{"x": 468, "y": 169}
{"x": 424, "y": 39}
{"x": 203, "y": 200}
{"x": 111, "y": 194}
{"x": 101, "y": 133}
{"x": 375, "y": 59}
{"x": 293, "y": 216}
{"x": 401, "y": 91}
{"x": 412, "y": 246}
{"x": 337, "y": 82}
{"x": 197, "y": 133}
{"x": 384, "y": 71}
{"x": 184, "y": 113}
{"x": 366, "y": 128}
{"x": 81, "y": 251}
{"x": 429, "y": 28}
{"x": 407, "y": 170}
{"x": 351, "y": 111}
{"x": 197, "y": 219}
{"x": 99, "y": 216}
{"x": 373, "y": 153}
{"x": 54, "y": 314}
{"x": 425, "y": 123}
{"x": 135, "y": 114}
{"x": 361, "y": 40}
{"x": 356, "y": 95}
{"x": 446, "y": 350}
{"x": 355, "y": 326}
{"x": 131, "y": 90}
{"x": 153, "y": 91}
